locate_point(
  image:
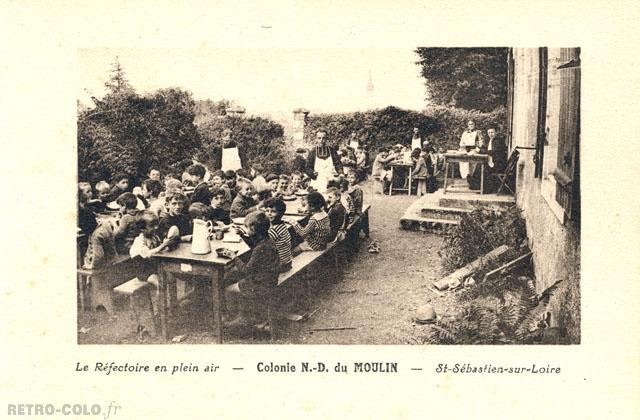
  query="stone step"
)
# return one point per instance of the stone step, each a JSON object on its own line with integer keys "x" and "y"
{"x": 443, "y": 213}
{"x": 427, "y": 224}
{"x": 469, "y": 203}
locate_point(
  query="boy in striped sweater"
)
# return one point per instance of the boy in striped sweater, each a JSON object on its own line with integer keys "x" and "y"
{"x": 274, "y": 208}
{"x": 317, "y": 232}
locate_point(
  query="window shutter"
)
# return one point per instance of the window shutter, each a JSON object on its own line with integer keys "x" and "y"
{"x": 566, "y": 172}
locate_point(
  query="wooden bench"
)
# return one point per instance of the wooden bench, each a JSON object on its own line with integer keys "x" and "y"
{"x": 103, "y": 280}
{"x": 139, "y": 295}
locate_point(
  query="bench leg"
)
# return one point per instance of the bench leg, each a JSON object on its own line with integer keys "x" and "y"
{"x": 162, "y": 300}
{"x": 142, "y": 308}
{"x": 82, "y": 291}
{"x": 101, "y": 294}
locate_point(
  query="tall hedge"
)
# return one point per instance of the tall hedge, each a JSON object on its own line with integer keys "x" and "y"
{"x": 391, "y": 125}
{"x": 260, "y": 140}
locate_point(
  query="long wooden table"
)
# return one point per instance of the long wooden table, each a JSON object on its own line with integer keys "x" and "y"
{"x": 182, "y": 261}
{"x": 463, "y": 157}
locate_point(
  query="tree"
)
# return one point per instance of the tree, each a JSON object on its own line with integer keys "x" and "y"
{"x": 127, "y": 132}
{"x": 469, "y": 78}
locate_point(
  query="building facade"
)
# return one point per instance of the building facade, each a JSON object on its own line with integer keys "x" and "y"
{"x": 544, "y": 125}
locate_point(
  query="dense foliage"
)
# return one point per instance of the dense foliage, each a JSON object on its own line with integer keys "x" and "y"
{"x": 260, "y": 140}
{"x": 469, "y": 78}
{"x": 479, "y": 232}
{"x": 391, "y": 125}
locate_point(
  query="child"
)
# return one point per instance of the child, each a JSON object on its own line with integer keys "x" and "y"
{"x": 283, "y": 185}
{"x": 355, "y": 192}
{"x": 101, "y": 247}
{"x": 295, "y": 183}
{"x": 345, "y": 199}
{"x": 127, "y": 230}
{"x": 151, "y": 190}
{"x": 86, "y": 218}
{"x": 154, "y": 174}
{"x": 318, "y": 230}
{"x": 146, "y": 245}
{"x": 361, "y": 164}
{"x": 348, "y": 160}
{"x": 243, "y": 204}
{"x": 379, "y": 171}
{"x": 272, "y": 182}
{"x": 336, "y": 213}
{"x": 175, "y": 215}
{"x": 258, "y": 177}
{"x": 230, "y": 179}
{"x": 201, "y": 193}
{"x": 121, "y": 186}
{"x": 218, "y": 211}
{"x": 421, "y": 172}
{"x": 258, "y": 277}
{"x": 279, "y": 231}
{"x": 200, "y": 211}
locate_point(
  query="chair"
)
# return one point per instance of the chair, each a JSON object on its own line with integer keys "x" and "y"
{"x": 503, "y": 178}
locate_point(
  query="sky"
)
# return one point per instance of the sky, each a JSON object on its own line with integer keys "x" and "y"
{"x": 266, "y": 81}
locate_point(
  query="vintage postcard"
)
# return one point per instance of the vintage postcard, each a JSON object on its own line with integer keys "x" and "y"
{"x": 353, "y": 209}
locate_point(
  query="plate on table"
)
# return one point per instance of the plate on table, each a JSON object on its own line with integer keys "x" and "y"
{"x": 113, "y": 206}
{"x": 289, "y": 198}
{"x": 238, "y": 220}
{"x": 302, "y": 193}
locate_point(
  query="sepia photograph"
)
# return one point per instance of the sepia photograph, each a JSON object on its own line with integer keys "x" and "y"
{"x": 389, "y": 196}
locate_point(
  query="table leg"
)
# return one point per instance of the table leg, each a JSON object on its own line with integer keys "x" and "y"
{"x": 482, "y": 178}
{"x": 162, "y": 302}
{"x": 410, "y": 179}
{"x": 217, "y": 289}
{"x": 391, "y": 182}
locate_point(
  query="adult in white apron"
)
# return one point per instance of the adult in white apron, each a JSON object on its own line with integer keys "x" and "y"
{"x": 353, "y": 142}
{"x": 230, "y": 155}
{"x": 416, "y": 140}
{"x": 470, "y": 140}
{"x": 321, "y": 159}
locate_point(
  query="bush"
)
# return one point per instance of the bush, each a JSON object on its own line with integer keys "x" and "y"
{"x": 479, "y": 232}
{"x": 130, "y": 133}
{"x": 391, "y": 125}
{"x": 451, "y": 122}
{"x": 259, "y": 140}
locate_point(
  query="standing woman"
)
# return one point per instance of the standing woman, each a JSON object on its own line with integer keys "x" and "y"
{"x": 230, "y": 159}
{"x": 471, "y": 139}
{"x": 321, "y": 162}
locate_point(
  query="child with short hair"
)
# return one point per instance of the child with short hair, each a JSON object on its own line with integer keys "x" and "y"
{"x": 337, "y": 214}
{"x": 127, "y": 230}
{"x": 121, "y": 185}
{"x": 258, "y": 277}
{"x": 175, "y": 215}
{"x": 355, "y": 192}
{"x": 272, "y": 182}
{"x": 218, "y": 200}
{"x": 154, "y": 174}
{"x": 318, "y": 230}
{"x": 151, "y": 190}
{"x": 244, "y": 203}
{"x": 379, "y": 170}
{"x": 230, "y": 180}
{"x": 279, "y": 231}
{"x": 283, "y": 185}
{"x": 201, "y": 193}
{"x": 200, "y": 211}
{"x": 86, "y": 217}
{"x": 295, "y": 182}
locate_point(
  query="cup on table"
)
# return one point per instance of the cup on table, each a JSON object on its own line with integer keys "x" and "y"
{"x": 219, "y": 234}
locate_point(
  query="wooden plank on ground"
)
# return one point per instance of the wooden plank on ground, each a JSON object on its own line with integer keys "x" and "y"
{"x": 456, "y": 278}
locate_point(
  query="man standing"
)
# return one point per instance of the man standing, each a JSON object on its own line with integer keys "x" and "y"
{"x": 321, "y": 162}
{"x": 416, "y": 140}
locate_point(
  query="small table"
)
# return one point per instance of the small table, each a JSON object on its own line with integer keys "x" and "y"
{"x": 451, "y": 157}
{"x": 182, "y": 261}
{"x": 410, "y": 176}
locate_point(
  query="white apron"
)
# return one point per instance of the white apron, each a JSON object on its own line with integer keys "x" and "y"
{"x": 325, "y": 169}
{"x": 354, "y": 144}
{"x": 231, "y": 159}
{"x": 416, "y": 143}
{"x": 468, "y": 140}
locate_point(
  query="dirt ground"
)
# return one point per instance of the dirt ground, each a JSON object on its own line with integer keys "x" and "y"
{"x": 372, "y": 296}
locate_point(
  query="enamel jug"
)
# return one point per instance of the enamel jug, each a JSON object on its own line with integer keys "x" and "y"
{"x": 202, "y": 232}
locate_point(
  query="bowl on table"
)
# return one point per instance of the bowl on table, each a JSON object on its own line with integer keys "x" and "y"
{"x": 221, "y": 251}
{"x": 302, "y": 193}
{"x": 238, "y": 220}
{"x": 289, "y": 198}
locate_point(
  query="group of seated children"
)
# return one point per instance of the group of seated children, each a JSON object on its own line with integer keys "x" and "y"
{"x": 154, "y": 217}
{"x": 426, "y": 165}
